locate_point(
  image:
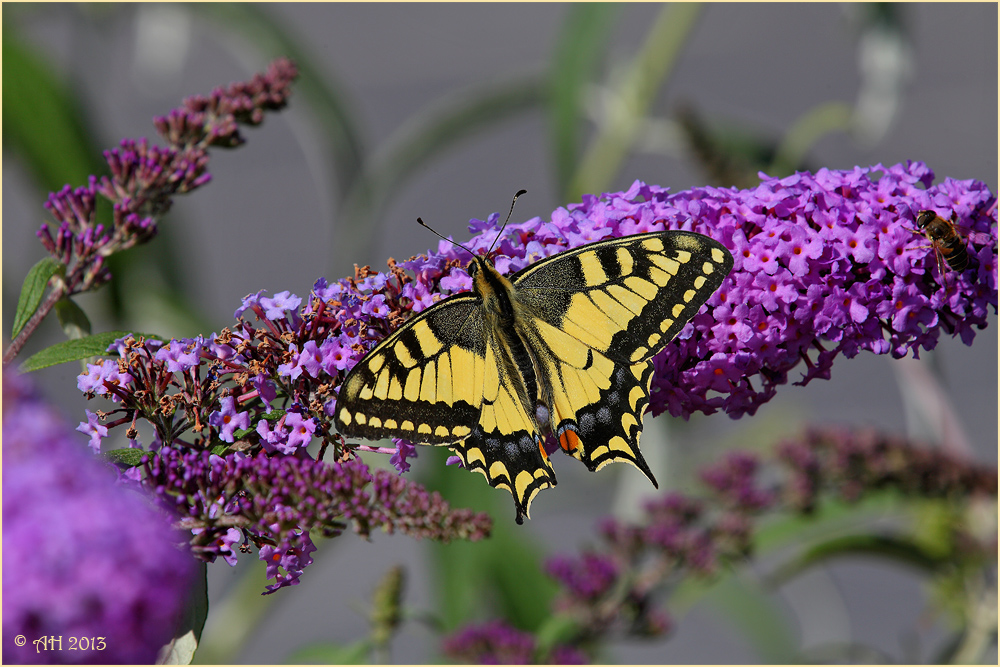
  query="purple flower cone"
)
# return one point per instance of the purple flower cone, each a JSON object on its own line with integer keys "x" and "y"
{"x": 826, "y": 264}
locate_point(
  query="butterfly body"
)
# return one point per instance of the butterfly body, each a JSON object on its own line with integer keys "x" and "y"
{"x": 563, "y": 346}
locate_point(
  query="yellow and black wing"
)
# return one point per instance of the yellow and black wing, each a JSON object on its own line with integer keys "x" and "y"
{"x": 595, "y": 316}
{"x": 446, "y": 378}
{"x": 564, "y": 346}
{"x": 424, "y": 382}
{"x": 507, "y": 445}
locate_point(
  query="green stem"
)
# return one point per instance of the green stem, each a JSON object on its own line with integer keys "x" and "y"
{"x": 634, "y": 97}
{"x": 981, "y": 628}
{"x": 803, "y": 135}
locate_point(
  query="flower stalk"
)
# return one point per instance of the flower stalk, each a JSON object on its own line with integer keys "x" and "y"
{"x": 143, "y": 180}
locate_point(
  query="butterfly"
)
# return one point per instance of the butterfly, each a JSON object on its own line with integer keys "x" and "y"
{"x": 563, "y": 346}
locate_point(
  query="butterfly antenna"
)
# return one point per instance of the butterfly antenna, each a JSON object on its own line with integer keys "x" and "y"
{"x": 435, "y": 232}
{"x": 500, "y": 233}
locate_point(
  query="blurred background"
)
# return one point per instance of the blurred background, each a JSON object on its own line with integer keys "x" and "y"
{"x": 444, "y": 111}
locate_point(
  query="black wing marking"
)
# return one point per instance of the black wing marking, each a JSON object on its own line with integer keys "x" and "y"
{"x": 424, "y": 382}
{"x": 626, "y": 297}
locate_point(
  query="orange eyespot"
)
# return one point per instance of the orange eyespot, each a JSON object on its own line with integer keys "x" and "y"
{"x": 569, "y": 440}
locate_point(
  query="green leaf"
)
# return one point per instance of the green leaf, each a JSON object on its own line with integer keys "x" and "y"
{"x": 933, "y": 525}
{"x": 272, "y": 417}
{"x": 332, "y": 654}
{"x": 44, "y": 123}
{"x": 238, "y": 614}
{"x": 74, "y": 350}
{"x": 242, "y": 433}
{"x": 181, "y": 649}
{"x": 515, "y": 575}
{"x": 504, "y": 569}
{"x": 221, "y": 449}
{"x": 759, "y": 619}
{"x": 582, "y": 43}
{"x": 555, "y": 630}
{"x": 833, "y": 517}
{"x": 74, "y": 322}
{"x": 126, "y": 457}
{"x": 33, "y": 290}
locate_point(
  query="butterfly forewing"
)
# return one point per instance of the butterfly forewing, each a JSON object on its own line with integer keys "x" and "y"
{"x": 424, "y": 382}
{"x": 626, "y": 297}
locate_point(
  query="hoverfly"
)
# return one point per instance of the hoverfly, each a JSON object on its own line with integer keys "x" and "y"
{"x": 949, "y": 241}
{"x": 949, "y": 246}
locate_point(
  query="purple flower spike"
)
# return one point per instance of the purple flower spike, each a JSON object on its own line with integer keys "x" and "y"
{"x": 851, "y": 463}
{"x": 491, "y": 643}
{"x": 826, "y": 264}
{"x": 497, "y": 643}
{"x": 143, "y": 181}
{"x": 733, "y": 480}
{"x": 279, "y": 499}
{"x": 587, "y": 578}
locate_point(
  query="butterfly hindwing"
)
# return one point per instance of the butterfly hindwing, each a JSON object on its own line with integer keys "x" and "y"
{"x": 596, "y": 403}
{"x": 506, "y": 445}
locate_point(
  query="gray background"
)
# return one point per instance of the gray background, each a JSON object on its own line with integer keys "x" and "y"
{"x": 268, "y": 220}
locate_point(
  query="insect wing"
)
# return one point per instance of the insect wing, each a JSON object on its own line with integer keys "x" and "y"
{"x": 625, "y": 297}
{"x": 424, "y": 382}
{"x": 506, "y": 445}
{"x": 595, "y": 316}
